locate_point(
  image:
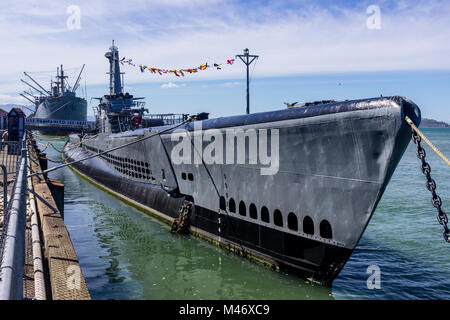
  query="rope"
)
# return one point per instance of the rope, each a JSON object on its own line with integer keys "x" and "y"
{"x": 114, "y": 149}
{"x": 428, "y": 142}
{"x": 74, "y": 147}
{"x": 49, "y": 145}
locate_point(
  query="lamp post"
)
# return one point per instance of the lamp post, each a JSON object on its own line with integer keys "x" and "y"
{"x": 247, "y": 59}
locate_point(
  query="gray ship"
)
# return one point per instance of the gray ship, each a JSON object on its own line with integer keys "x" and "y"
{"x": 302, "y": 206}
{"x": 60, "y": 103}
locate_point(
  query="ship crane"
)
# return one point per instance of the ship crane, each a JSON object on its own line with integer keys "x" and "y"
{"x": 32, "y": 87}
{"x": 48, "y": 93}
{"x": 77, "y": 83}
{"x": 33, "y": 102}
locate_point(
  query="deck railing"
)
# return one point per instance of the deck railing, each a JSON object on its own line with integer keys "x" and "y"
{"x": 12, "y": 239}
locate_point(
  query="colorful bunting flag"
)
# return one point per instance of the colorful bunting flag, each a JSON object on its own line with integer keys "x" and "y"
{"x": 176, "y": 72}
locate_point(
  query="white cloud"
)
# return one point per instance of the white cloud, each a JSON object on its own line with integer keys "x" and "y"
{"x": 289, "y": 40}
{"x": 230, "y": 84}
{"x": 169, "y": 85}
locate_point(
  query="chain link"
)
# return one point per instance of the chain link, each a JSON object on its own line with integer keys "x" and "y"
{"x": 431, "y": 186}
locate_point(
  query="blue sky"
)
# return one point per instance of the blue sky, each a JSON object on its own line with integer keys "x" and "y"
{"x": 309, "y": 50}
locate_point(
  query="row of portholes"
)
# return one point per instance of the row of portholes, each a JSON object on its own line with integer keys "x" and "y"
{"x": 292, "y": 221}
{"x": 132, "y": 168}
{"x": 189, "y": 176}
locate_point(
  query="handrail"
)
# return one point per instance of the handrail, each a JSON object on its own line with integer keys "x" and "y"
{"x": 13, "y": 244}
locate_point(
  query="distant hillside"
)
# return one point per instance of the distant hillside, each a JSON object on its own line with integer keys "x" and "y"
{"x": 430, "y": 123}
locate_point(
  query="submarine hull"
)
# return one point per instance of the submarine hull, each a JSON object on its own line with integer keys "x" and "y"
{"x": 334, "y": 163}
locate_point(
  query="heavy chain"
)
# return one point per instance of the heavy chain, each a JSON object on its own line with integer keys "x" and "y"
{"x": 182, "y": 223}
{"x": 431, "y": 186}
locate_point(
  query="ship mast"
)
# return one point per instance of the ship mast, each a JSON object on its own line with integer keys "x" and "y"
{"x": 61, "y": 77}
{"x": 115, "y": 84}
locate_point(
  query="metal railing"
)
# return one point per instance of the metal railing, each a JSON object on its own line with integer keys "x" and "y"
{"x": 12, "y": 240}
{"x": 9, "y": 162}
{"x": 9, "y": 155}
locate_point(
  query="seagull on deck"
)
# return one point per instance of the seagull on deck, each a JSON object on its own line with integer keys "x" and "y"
{"x": 290, "y": 105}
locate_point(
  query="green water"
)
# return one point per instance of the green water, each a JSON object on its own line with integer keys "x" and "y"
{"x": 126, "y": 254}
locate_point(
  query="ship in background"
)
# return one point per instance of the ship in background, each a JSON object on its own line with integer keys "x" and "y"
{"x": 60, "y": 103}
{"x": 335, "y": 161}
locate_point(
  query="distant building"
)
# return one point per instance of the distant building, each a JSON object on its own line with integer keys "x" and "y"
{"x": 16, "y": 124}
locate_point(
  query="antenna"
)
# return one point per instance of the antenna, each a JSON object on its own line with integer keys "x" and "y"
{"x": 246, "y": 59}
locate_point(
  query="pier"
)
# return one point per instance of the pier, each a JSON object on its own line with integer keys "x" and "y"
{"x": 38, "y": 260}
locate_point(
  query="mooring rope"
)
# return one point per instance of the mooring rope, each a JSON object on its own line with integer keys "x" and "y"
{"x": 73, "y": 147}
{"x": 114, "y": 149}
{"x": 428, "y": 142}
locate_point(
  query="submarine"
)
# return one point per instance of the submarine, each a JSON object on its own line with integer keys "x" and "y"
{"x": 294, "y": 188}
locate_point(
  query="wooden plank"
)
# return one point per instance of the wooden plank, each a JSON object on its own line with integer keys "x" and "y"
{"x": 66, "y": 278}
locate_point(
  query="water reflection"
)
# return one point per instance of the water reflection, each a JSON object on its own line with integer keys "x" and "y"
{"x": 170, "y": 266}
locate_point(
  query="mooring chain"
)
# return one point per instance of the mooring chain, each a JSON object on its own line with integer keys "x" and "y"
{"x": 431, "y": 186}
{"x": 182, "y": 223}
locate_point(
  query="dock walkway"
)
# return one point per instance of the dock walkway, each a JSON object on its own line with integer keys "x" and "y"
{"x": 38, "y": 258}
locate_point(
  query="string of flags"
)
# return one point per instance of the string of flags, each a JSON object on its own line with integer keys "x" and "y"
{"x": 176, "y": 72}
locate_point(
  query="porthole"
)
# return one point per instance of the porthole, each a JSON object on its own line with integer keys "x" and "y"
{"x": 232, "y": 205}
{"x": 242, "y": 209}
{"x": 308, "y": 225}
{"x": 265, "y": 216}
{"x": 252, "y": 211}
{"x": 292, "y": 221}
{"x": 183, "y": 175}
{"x": 190, "y": 177}
{"x": 325, "y": 230}
{"x": 278, "y": 218}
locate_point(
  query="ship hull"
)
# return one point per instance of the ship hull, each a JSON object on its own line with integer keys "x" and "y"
{"x": 335, "y": 162}
{"x": 61, "y": 108}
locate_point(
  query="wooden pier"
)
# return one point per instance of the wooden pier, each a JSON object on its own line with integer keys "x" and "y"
{"x": 51, "y": 270}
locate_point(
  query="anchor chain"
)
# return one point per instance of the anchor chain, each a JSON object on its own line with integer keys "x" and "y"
{"x": 431, "y": 186}
{"x": 182, "y": 223}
